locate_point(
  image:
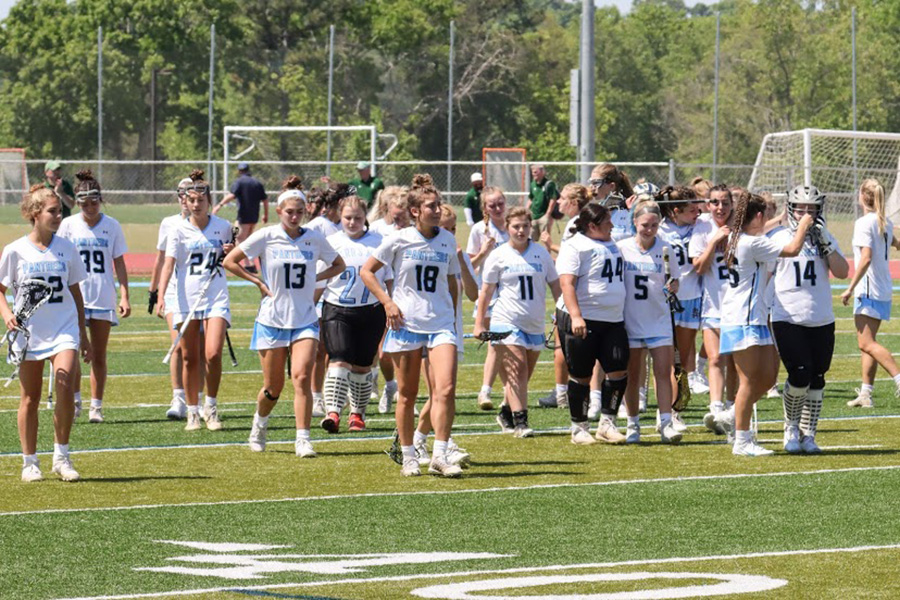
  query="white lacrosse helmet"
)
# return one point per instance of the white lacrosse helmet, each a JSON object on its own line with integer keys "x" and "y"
{"x": 806, "y": 195}
{"x": 646, "y": 191}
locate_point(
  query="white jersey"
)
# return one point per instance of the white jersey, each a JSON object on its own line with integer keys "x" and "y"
{"x": 521, "y": 280}
{"x": 744, "y": 301}
{"x": 324, "y": 226}
{"x": 421, "y": 267}
{"x": 715, "y": 280}
{"x": 196, "y": 253}
{"x": 623, "y": 225}
{"x": 876, "y": 284}
{"x": 802, "y": 290}
{"x": 679, "y": 237}
{"x": 383, "y": 228}
{"x": 289, "y": 271}
{"x": 98, "y": 247}
{"x": 600, "y": 282}
{"x": 348, "y": 289}
{"x": 56, "y": 321}
{"x": 569, "y": 231}
{"x": 165, "y": 229}
{"x": 477, "y": 235}
{"x": 646, "y": 309}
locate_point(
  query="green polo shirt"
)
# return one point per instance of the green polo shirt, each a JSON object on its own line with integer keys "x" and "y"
{"x": 473, "y": 201}
{"x": 367, "y": 190}
{"x": 540, "y": 195}
{"x": 69, "y": 191}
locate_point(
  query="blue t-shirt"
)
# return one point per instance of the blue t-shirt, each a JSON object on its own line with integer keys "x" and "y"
{"x": 249, "y": 192}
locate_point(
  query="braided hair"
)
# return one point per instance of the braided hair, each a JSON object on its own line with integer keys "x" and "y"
{"x": 747, "y": 207}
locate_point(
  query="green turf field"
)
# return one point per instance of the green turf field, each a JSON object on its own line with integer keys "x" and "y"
{"x": 161, "y": 513}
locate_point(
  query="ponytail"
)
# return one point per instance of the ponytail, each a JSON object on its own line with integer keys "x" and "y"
{"x": 747, "y": 207}
{"x": 872, "y": 194}
{"x": 592, "y": 213}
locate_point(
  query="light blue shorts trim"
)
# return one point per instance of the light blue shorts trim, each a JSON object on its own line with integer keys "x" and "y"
{"x": 404, "y": 340}
{"x": 711, "y": 323}
{"x": 529, "y": 341}
{"x": 734, "y": 338}
{"x": 96, "y": 314}
{"x": 650, "y": 342}
{"x": 690, "y": 317}
{"x": 876, "y": 309}
{"x": 267, "y": 338}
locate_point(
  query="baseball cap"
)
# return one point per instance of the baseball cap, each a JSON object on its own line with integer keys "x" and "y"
{"x": 362, "y": 165}
{"x": 476, "y": 177}
{"x": 52, "y": 165}
{"x": 242, "y": 166}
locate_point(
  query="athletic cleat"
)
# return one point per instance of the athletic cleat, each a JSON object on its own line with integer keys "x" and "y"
{"x": 95, "y": 415}
{"x": 386, "y": 400}
{"x": 193, "y": 421}
{"x": 678, "y": 423}
{"x": 608, "y": 432}
{"x": 581, "y": 436}
{"x": 696, "y": 383}
{"x": 709, "y": 421}
{"x": 702, "y": 380}
{"x": 410, "y": 468}
{"x": 318, "y": 409}
{"x": 304, "y": 449}
{"x": 523, "y": 431}
{"x": 457, "y": 455}
{"x": 422, "y": 453}
{"x": 32, "y": 473}
{"x": 331, "y": 423}
{"x": 178, "y": 409}
{"x": 725, "y": 420}
{"x": 548, "y": 401}
{"x": 863, "y": 400}
{"x": 594, "y": 410}
{"x": 792, "y": 439}
{"x": 484, "y": 401}
{"x": 505, "y": 420}
{"x": 668, "y": 434}
{"x": 622, "y": 413}
{"x": 356, "y": 423}
{"x": 808, "y": 445}
{"x": 633, "y": 433}
{"x": 77, "y": 409}
{"x": 441, "y": 467}
{"x": 642, "y": 400}
{"x": 62, "y": 466}
{"x": 258, "y": 436}
{"x": 773, "y": 393}
{"x": 750, "y": 449}
{"x": 213, "y": 422}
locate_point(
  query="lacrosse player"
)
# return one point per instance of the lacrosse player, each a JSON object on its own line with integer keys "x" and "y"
{"x": 744, "y": 321}
{"x": 55, "y": 331}
{"x": 871, "y": 286}
{"x": 101, "y": 245}
{"x": 521, "y": 270}
{"x": 591, "y": 320}
{"x": 287, "y": 319}
{"x": 194, "y": 250}
{"x": 421, "y": 313}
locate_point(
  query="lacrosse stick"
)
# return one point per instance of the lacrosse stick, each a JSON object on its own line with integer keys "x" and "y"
{"x": 682, "y": 388}
{"x": 488, "y": 336}
{"x": 50, "y": 387}
{"x": 234, "y": 362}
{"x": 30, "y": 296}
{"x": 754, "y": 424}
{"x": 395, "y": 452}
{"x": 200, "y": 298}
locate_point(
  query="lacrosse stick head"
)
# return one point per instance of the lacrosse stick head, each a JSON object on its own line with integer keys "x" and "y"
{"x": 30, "y": 295}
{"x": 492, "y": 336}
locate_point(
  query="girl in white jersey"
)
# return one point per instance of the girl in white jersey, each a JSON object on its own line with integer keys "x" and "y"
{"x": 803, "y": 318}
{"x": 591, "y": 320}
{"x": 484, "y": 237}
{"x": 287, "y": 323}
{"x": 607, "y": 179}
{"x": 745, "y": 315}
{"x": 56, "y": 328}
{"x": 872, "y": 288}
{"x": 194, "y": 250}
{"x": 352, "y": 320}
{"x": 421, "y": 313}
{"x": 521, "y": 270}
{"x": 101, "y": 245}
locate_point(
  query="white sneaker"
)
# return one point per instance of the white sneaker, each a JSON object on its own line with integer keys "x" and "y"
{"x": 523, "y": 431}
{"x": 808, "y": 445}
{"x": 213, "y": 422}
{"x": 32, "y": 473}
{"x": 442, "y": 468}
{"x": 581, "y": 436}
{"x": 678, "y": 423}
{"x": 386, "y": 400}
{"x": 750, "y": 449}
{"x": 457, "y": 455}
{"x": 484, "y": 401}
{"x": 773, "y": 393}
{"x": 95, "y": 415}
{"x": 304, "y": 449}
{"x": 318, "y": 409}
{"x": 608, "y": 432}
{"x": 696, "y": 383}
{"x": 668, "y": 434}
{"x": 642, "y": 400}
{"x": 709, "y": 421}
{"x": 410, "y": 468}
{"x": 633, "y": 433}
{"x": 62, "y": 466}
{"x": 594, "y": 410}
{"x": 863, "y": 400}
{"x": 622, "y": 413}
{"x": 725, "y": 420}
{"x": 77, "y": 409}
{"x": 422, "y": 453}
{"x": 792, "y": 439}
{"x": 702, "y": 381}
{"x": 193, "y": 421}
{"x": 178, "y": 409}
{"x": 258, "y": 435}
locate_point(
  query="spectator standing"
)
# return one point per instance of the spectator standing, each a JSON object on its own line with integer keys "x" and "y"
{"x": 472, "y": 204}
{"x": 367, "y": 186}
{"x": 249, "y": 192}
{"x": 541, "y": 194}
{"x": 53, "y": 180}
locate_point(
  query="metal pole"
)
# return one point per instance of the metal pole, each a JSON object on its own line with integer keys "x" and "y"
{"x": 212, "y": 75}
{"x": 153, "y": 130}
{"x": 450, "y": 108}
{"x": 330, "y": 91}
{"x": 100, "y": 102}
{"x": 586, "y": 148}
{"x": 716, "y": 104}
{"x": 853, "y": 77}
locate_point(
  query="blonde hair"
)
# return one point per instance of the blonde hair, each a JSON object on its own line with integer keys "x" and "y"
{"x": 580, "y": 193}
{"x": 35, "y": 200}
{"x": 393, "y": 196}
{"x": 873, "y": 197}
{"x": 701, "y": 187}
{"x": 490, "y": 190}
{"x": 447, "y": 212}
{"x": 517, "y": 213}
{"x": 645, "y": 207}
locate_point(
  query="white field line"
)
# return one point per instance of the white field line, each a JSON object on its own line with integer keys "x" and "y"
{"x": 419, "y": 576}
{"x": 490, "y": 490}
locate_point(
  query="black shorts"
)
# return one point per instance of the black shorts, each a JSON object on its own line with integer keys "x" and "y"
{"x": 605, "y": 342}
{"x": 352, "y": 335}
{"x": 800, "y": 347}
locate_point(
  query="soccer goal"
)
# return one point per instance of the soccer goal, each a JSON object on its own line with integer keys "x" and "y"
{"x": 13, "y": 175}
{"x": 312, "y": 152}
{"x": 506, "y": 169}
{"x": 834, "y": 161}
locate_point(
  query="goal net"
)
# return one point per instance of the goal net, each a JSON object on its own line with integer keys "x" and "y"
{"x": 834, "y": 161}
{"x": 506, "y": 169}
{"x": 13, "y": 175}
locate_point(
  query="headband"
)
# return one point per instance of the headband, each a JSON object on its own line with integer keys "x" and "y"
{"x": 289, "y": 194}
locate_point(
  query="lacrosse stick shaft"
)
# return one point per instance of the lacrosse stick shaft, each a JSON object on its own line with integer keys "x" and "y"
{"x": 50, "y": 385}
{"x": 200, "y": 297}
{"x": 234, "y": 361}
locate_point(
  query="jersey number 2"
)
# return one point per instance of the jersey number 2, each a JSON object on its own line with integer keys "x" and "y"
{"x": 57, "y": 283}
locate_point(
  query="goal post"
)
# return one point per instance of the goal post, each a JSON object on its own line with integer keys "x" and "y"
{"x": 507, "y": 169}
{"x": 13, "y": 175}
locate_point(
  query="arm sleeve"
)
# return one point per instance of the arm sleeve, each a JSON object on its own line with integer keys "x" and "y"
{"x": 469, "y": 220}
{"x": 8, "y": 268}
{"x": 254, "y": 245}
{"x": 172, "y": 243}
{"x": 119, "y": 247}
{"x": 568, "y": 263}
{"x": 490, "y": 273}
